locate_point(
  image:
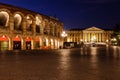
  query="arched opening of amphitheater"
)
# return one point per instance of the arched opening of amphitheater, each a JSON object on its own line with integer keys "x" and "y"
{"x": 17, "y": 42}
{"x": 4, "y": 42}
{"x": 28, "y": 43}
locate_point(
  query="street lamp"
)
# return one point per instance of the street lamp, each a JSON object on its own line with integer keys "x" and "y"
{"x": 63, "y": 36}
{"x": 114, "y": 41}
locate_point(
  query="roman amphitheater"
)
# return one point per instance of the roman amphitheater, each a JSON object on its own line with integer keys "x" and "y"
{"x": 24, "y": 29}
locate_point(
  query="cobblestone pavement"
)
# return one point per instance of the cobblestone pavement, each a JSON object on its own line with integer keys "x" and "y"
{"x": 94, "y": 63}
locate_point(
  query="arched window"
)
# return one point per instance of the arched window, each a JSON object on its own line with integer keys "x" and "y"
{"x": 29, "y": 23}
{"x": 4, "y": 18}
{"x": 17, "y": 22}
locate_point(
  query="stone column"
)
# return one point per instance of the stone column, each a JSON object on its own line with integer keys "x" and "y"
{"x": 90, "y": 37}
{"x": 24, "y": 26}
{"x": 97, "y": 38}
{"x": 34, "y": 27}
{"x": 83, "y": 36}
{"x": 87, "y": 37}
{"x": 41, "y": 29}
{"x": 102, "y": 37}
{"x": 53, "y": 31}
{"x": 24, "y": 44}
{"x": 32, "y": 43}
{"x": 11, "y": 25}
{"x": 11, "y": 43}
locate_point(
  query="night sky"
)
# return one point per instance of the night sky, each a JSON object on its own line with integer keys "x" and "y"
{"x": 75, "y": 13}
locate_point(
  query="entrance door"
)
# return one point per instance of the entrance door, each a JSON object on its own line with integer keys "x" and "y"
{"x": 37, "y": 43}
{"x": 28, "y": 43}
{"x": 17, "y": 43}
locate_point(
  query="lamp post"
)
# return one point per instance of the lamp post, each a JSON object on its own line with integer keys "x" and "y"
{"x": 114, "y": 41}
{"x": 64, "y": 34}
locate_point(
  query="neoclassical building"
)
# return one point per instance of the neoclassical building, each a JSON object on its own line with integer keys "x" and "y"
{"x": 24, "y": 29}
{"x": 89, "y": 35}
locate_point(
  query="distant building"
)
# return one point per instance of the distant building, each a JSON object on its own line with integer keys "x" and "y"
{"x": 24, "y": 29}
{"x": 89, "y": 35}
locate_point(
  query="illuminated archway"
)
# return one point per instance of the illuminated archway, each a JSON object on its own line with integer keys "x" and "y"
{"x": 37, "y": 42}
{"x": 17, "y": 22}
{"x": 4, "y": 18}
{"x": 55, "y": 29}
{"x": 17, "y": 42}
{"x": 28, "y": 43}
{"x": 46, "y": 27}
{"x": 38, "y": 24}
{"x": 29, "y": 21}
{"x": 51, "y": 28}
{"x": 4, "y": 43}
{"x": 56, "y": 43}
{"x": 51, "y": 44}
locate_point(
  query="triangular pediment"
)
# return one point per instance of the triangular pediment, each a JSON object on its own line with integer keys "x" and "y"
{"x": 93, "y": 29}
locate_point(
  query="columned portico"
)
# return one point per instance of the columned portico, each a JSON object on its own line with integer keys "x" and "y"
{"x": 89, "y": 35}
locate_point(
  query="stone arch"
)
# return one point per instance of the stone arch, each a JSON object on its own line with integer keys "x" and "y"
{"x": 4, "y": 17}
{"x": 38, "y": 23}
{"x": 46, "y": 27}
{"x": 28, "y": 42}
{"x": 56, "y": 43}
{"x": 18, "y": 19}
{"x": 4, "y": 42}
{"x": 17, "y": 41}
{"x": 29, "y": 21}
{"x": 51, "y": 24}
{"x": 52, "y": 43}
{"x": 55, "y": 29}
{"x": 45, "y": 43}
{"x": 59, "y": 31}
{"x": 37, "y": 42}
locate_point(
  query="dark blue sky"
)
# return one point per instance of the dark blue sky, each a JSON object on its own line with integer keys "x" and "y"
{"x": 75, "y": 13}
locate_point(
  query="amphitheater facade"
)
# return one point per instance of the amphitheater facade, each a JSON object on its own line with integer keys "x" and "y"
{"x": 24, "y": 29}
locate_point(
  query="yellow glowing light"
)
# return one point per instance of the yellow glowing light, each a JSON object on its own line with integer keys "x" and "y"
{"x": 93, "y": 38}
{"x": 63, "y": 34}
{"x": 47, "y": 42}
{"x": 106, "y": 40}
{"x": 3, "y": 36}
{"x": 68, "y": 40}
{"x": 81, "y": 40}
{"x": 51, "y": 42}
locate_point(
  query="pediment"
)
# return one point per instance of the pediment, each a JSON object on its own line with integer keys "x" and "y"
{"x": 93, "y": 29}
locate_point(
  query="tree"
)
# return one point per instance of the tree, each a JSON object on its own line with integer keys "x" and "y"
{"x": 116, "y": 33}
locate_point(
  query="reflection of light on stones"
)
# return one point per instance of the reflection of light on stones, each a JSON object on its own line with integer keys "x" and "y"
{"x": 94, "y": 51}
{"x": 94, "y": 60}
{"x": 64, "y": 63}
{"x": 64, "y": 59}
{"x": 81, "y": 51}
{"x": 107, "y": 50}
{"x": 116, "y": 51}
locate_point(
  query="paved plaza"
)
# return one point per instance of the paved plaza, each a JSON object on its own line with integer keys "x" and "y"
{"x": 93, "y": 63}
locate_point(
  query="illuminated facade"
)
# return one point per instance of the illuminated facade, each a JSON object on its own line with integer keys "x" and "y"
{"x": 24, "y": 29}
{"x": 89, "y": 35}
